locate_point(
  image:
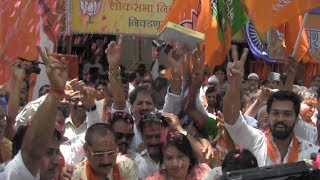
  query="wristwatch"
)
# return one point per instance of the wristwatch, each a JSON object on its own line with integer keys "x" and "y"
{"x": 184, "y": 132}
{"x": 92, "y": 108}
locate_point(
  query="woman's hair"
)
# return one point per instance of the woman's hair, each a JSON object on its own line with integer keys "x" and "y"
{"x": 182, "y": 143}
{"x": 238, "y": 160}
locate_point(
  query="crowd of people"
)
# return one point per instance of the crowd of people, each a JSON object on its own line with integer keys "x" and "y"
{"x": 142, "y": 125}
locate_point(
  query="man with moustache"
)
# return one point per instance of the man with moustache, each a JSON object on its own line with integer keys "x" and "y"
{"x": 253, "y": 81}
{"x": 280, "y": 144}
{"x": 76, "y": 122}
{"x": 122, "y": 125}
{"x": 149, "y": 160}
{"x": 306, "y": 127}
{"x": 103, "y": 160}
{"x": 309, "y": 103}
{"x": 213, "y": 100}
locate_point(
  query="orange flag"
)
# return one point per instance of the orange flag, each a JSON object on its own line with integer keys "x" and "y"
{"x": 271, "y": 13}
{"x": 19, "y": 32}
{"x": 197, "y": 15}
{"x": 292, "y": 28}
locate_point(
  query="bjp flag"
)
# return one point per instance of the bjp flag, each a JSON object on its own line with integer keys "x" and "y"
{"x": 231, "y": 17}
{"x": 292, "y": 28}
{"x": 197, "y": 15}
{"x": 289, "y": 32}
{"x": 271, "y": 13}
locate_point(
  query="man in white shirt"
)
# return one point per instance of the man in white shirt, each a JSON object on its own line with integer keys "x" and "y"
{"x": 149, "y": 160}
{"x": 76, "y": 122}
{"x": 280, "y": 145}
{"x": 39, "y": 156}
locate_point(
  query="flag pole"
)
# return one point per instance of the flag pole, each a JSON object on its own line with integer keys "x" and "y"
{"x": 294, "y": 52}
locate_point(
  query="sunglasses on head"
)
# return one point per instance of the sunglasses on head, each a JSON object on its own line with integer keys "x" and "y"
{"x": 122, "y": 115}
{"x": 122, "y": 135}
{"x": 152, "y": 116}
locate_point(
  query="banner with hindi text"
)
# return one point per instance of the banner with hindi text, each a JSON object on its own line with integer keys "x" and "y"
{"x": 141, "y": 17}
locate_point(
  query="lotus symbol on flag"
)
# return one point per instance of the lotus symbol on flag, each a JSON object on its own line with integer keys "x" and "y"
{"x": 90, "y": 8}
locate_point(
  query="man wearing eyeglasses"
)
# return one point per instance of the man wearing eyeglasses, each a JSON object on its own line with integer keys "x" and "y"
{"x": 103, "y": 160}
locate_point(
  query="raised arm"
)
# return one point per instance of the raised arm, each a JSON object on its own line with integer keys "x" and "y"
{"x": 173, "y": 100}
{"x": 231, "y": 100}
{"x": 14, "y": 97}
{"x": 291, "y": 74}
{"x": 193, "y": 94}
{"x": 113, "y": 53}
{"x": 196, "y": 145}
{"x": 36, "y": 140}
{"x": 258, "y": 103}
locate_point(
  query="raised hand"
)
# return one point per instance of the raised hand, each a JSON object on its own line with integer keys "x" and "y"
{"x": 198, "y": 59}
{"x": 264, "y": 95}
{"x": 207, "y": 149}
{"x": 173, "y": 121}
{"x": 88, "y": 95}
{"x": 292, "y": 66}
{"x": 175, "y": 64}
{"x": 198, "y": 67}
{"x": 223, "y": 138}
{"x": 113, "y": 53}
{"x": 56, "y": 70}
{"x": 235, "y": 69}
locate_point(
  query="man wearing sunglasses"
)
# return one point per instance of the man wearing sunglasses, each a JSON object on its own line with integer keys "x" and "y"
{"x": 149, "y": 161}
{"x": 103, "y": 160}
{"x": 122, "y": 124}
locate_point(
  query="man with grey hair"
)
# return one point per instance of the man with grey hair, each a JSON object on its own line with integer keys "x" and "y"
{"x": 274, "y": 80}
{"x": 253, "y": 81}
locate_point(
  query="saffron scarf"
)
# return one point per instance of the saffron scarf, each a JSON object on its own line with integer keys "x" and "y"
{"x": 273, "y": 153}
{"x": 91, "y": 175}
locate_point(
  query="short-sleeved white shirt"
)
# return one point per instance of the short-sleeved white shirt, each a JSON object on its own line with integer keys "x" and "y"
{"x": 247, "y": 137}
{"x": 17, "y": 170}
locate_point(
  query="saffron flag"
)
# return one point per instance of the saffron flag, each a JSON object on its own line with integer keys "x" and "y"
{"x": 283, "y": 39}
{"x": 271, "y": 13}
{"x": 292, "y": 28}
{"x": 19, "y": 33}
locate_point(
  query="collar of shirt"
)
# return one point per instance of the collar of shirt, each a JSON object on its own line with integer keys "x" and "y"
{"x": 285, "y": 159}
{"x": 70, "y": 123}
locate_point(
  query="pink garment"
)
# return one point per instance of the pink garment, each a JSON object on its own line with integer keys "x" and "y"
{"x": 197, "y": 173}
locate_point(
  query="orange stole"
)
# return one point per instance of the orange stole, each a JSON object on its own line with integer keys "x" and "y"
{"x": 272, "y": 151}
{"x": 91, "y": 176}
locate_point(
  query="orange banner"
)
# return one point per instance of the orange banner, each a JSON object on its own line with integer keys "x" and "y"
{"x": 19, "y": 33}
{"x": 271, "y": 13}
